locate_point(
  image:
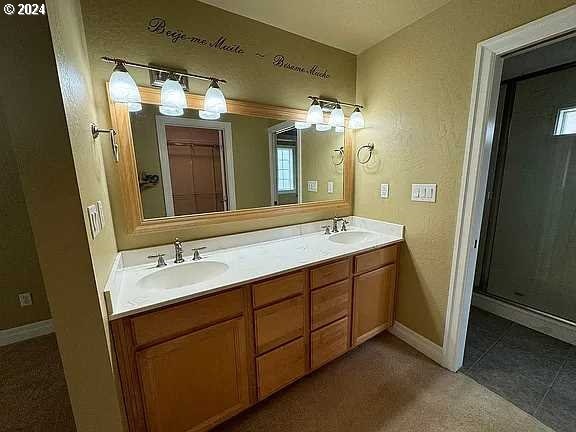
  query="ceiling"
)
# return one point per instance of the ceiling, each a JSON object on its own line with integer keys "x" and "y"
{"x": 350, "y": 25}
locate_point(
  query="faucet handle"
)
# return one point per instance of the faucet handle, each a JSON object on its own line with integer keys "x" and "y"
{"x": 161, "y": 262}
{"x": 326, "y": 229}
{"x": 197, "y": 250}
{"x": 344, "y": 223}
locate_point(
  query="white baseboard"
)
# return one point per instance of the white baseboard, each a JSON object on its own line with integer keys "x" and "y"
{"x": 28, "y": 331}
{"x": 419, "y": 342}
{"x": 544, "y": 324}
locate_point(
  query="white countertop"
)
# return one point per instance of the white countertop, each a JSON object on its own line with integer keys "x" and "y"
{"x": 246, "y": 263}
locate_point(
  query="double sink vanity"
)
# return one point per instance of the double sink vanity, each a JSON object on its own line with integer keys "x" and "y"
{"x": 200, "y": 341}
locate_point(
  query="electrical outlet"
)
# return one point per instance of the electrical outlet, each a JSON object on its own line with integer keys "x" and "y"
{"x": 330, "y": 187}
{"x": 25, "y": 299}
{"x": 384, "y": 190}
{"x": 312, "y": 185}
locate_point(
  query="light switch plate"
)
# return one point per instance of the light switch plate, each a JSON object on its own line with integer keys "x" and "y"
{"x": 25, "y": 299}
{"x": 312, "y": 185}
{"x": 424, "y": 192}
{"x": 330, "y": 187}
{"x": 94, "y": 219}
{"x": 101, "y": 215}
{"x": 384, "y": 190}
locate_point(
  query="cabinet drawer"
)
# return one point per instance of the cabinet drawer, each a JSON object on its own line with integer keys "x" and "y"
{"x": 330, "y": 273}
{"x": 277, "y": 289}
{"x": 330, "y": 303}
{"x": 280, "y": 367}
{"x": 279, "y": 323}
{"x": 329, "y": 342}
{"x": 376, "y": 259}
{"x": 176, "y": 320}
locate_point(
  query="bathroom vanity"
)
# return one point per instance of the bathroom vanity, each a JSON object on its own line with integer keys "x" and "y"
{"x": 269, "y": 311}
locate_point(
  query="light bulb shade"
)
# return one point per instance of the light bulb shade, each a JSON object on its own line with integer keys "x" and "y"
{"x": 321, "y": 127}
{"x": 171, "y": 111}
{"x": 301, "y": 125}
{"x": 315, "y": 114}
{"x": 123, "y": 88}
{"x": 134, "y": 106}
{"x": 336, "y": 117}
{"x": 356, "y": 120}
{"x": 214, "y": 101}
{"x": 339, "y": 129}
{"x": 172, "y": 96}
{"x": 208, "y": 115}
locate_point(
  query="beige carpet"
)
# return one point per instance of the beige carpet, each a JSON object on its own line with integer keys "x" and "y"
{"x": 384, "y": 385}
{"x": 33, "y": 393}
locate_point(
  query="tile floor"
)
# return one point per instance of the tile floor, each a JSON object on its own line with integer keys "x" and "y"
{"x": 534, "y": 371}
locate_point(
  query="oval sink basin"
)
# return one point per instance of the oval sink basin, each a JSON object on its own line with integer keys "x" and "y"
{"x": 182, "y": 275}
{"x": 351, "y": 237}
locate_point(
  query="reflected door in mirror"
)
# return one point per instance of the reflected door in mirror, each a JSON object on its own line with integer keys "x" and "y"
{"x": 196, "y": 165}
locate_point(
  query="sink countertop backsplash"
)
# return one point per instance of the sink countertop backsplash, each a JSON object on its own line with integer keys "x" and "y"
{"x": 249, "y": 256}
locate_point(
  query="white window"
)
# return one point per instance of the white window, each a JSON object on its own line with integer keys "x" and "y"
{"x": 285, "y": 169}
{"x": 566, "y": 122}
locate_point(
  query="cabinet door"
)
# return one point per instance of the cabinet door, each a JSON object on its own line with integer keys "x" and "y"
{"x": 373, "y": 305}
{"x": 191, "y": 383}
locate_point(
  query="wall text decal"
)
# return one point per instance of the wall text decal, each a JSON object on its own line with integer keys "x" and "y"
{"x": 158, "y": 26}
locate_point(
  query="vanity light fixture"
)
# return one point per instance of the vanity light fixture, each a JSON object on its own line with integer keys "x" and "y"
{"x": 172, "y": 97}
{"x": 315, "y": 113}
{"x": 356, "y": 119}
{"x": 214, "y": 101}
{"x": 322, "y": 127}
{"x": 336, "y": 116}
{"x": 208, "y": 115}
{"x": 334, "y": 107}
{"x": 302, "y": 125}
{"x": 123, "y": 89}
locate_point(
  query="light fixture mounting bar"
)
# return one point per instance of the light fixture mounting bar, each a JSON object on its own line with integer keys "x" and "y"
{"x": 158, "y": 69}
{"x": 334, "y": 102}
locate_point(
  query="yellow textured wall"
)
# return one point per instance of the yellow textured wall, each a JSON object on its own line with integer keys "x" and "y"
{"x": 119, "y": 29}
{"x": 416, "y": 88}
{"x": 61, "y": 170}
{"x": 19, "y": 267}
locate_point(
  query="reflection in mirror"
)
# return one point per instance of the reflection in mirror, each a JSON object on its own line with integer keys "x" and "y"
{"x": 190, "y": 166}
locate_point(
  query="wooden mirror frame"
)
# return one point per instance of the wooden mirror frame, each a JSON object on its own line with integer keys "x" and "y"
{"x": 128, "y": 171}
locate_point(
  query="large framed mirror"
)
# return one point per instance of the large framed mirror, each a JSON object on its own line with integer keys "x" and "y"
{"x": 250, "y": 163}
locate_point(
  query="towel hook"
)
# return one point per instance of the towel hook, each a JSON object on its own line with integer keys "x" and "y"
{"x": 370, "y": 147}
{"x": 97, "y": 131}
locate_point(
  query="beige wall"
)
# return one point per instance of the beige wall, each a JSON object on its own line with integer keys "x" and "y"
{"x": 119, "y": 29}
{"x": 416, "y": 88}
{"x": 318, "y": 159}
{"x": 19, "y": 268}
{"x": 61, "y": 170}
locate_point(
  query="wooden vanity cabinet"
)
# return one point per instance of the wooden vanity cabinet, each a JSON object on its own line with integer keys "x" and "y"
{"x": 190, "y": 366}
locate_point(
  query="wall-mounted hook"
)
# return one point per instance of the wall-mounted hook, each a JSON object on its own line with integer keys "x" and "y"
{"x": 96, "y": 132}
{"x": 370, "y": 148}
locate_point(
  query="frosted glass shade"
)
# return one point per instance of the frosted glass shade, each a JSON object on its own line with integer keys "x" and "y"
{"x": 172, "y": 98}
{"x": 339, "y": 129}
{"x": 315, "y": 114}
{"x": 171, "y": 111}
{"x": 301, "y": 125}
{"x": 208, "y": 115}
{"x": 356, "y": 120}
{"x": 321, "y": 127}
{"x": 336, "y": 117}
{"x": 214, "y": 100}
{"x": 134, "y": 106}
{"x": 123, "y": 88}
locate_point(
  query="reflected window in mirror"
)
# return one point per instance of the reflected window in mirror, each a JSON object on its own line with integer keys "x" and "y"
{"x": 189, "y": 166}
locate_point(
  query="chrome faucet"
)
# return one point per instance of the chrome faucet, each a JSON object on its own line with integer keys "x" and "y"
{"x": 335, "y": 221}
{"x": 160, "y": 262}
{"x": 197, "y": 250}
{"x": 178, "y": 251}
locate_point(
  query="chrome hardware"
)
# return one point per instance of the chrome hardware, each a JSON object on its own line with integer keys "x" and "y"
{"x": 344, "y": 223}
{"x": 161, "y": 262}
{"x": 335, "y": 221}
{"x": 96, "y": 131}
{"x": 178, "y": 252}
{"x": 197, "y": 256}
{"x": 326, "y": 229}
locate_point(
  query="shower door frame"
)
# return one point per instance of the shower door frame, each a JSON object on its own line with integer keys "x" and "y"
{"x": 476, "y": 164}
